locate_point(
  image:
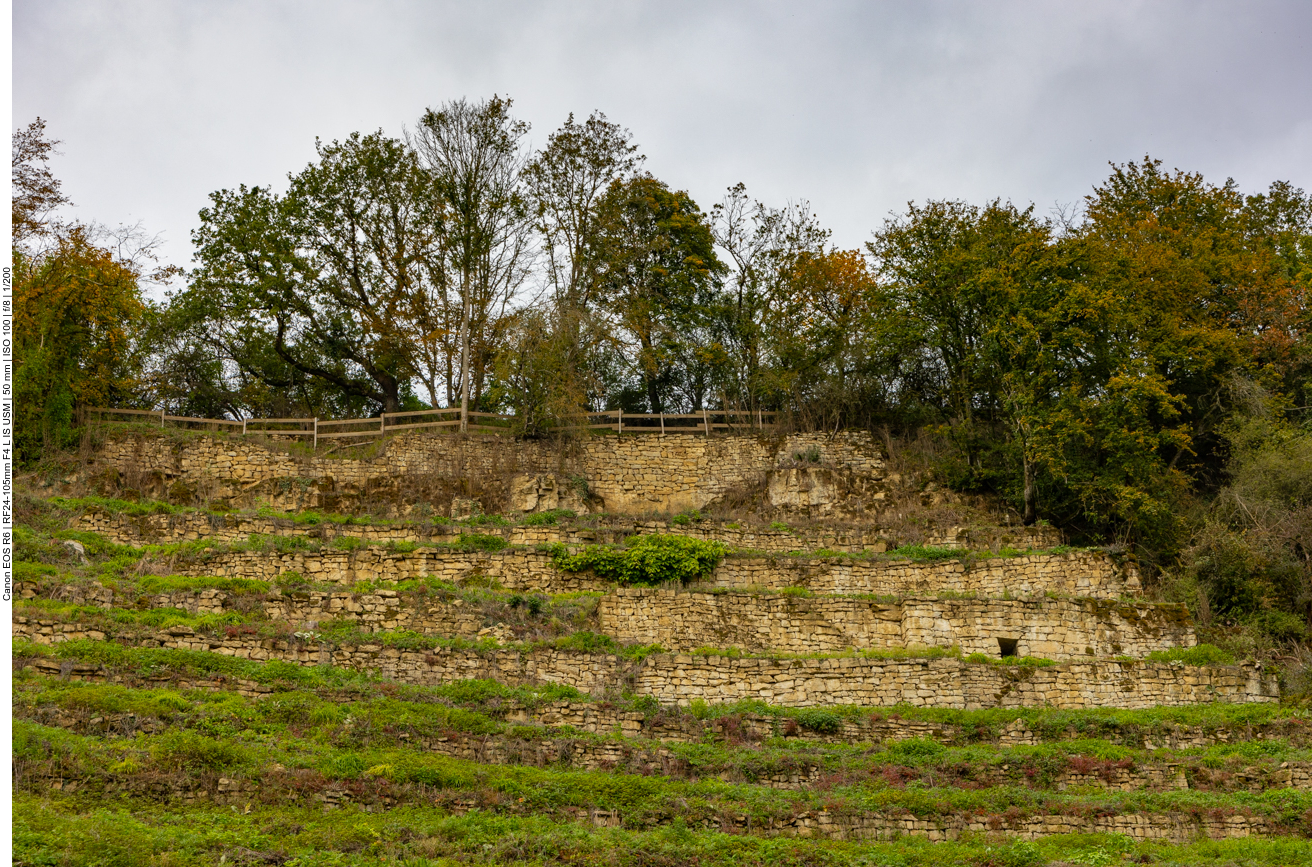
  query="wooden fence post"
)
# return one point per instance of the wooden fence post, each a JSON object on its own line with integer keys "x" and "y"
{"x": 619, "y": 428}
{"x": 662, "y": 424}
{"x": 706, "y": 419}
{"x": 316, "y": 432}
{"x": 161, "y": 418}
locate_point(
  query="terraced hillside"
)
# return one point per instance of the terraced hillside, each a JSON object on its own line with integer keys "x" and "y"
{"x": 493, "y": 653}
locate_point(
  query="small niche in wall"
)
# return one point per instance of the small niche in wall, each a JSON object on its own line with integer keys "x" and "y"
{"x": 1007, "y": 646}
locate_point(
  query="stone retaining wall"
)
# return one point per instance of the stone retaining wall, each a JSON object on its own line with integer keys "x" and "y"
{"x": 626, "y": 474}
{"x": 282, "y": 785}
{"x": 680, "y": 679}
{"x": 674, "y": 725}
{"x": 1049, "y": 628}
{"x": 1080, "y": 573}
{"x": 235, "y": 527}
{"x": 680, "y": 620}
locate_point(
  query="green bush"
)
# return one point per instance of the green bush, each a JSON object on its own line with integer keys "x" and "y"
{"x": 914, "y": 750}
{"x": 822, "y": 721}
{"x": 924, "y": 552}
{"x": 587, "y": 642}
{"x": 183, "y": 749}
{"x": 645, "y": 560}
{"x": 480, "y": 543}
{"x": 1203, "y": 654}
{"x": 543, "y": 519}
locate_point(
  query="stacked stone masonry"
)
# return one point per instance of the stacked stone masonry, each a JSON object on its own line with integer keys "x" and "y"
{"x": 235, "y": 527}
{"x": 565, "y": 749}
{"x": 681, "y": 679}
{"x": 1050, "y": 628}
{"x": 625, "y": 474}
{"x": 675, "y": 726}
{"x": 1080, "y": 573}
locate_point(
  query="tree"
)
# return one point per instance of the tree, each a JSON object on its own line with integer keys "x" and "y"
{"x": 474, "y": 159}
{"x": 323, "y": 284}
{"x": 762, "y": 244}
{"x": 35, "y": 191}
{"x": 820, "y": 338}
{"x": 657, "y": 275}
{"x": 567, "y": 180}
{"x": 76, "y": 309}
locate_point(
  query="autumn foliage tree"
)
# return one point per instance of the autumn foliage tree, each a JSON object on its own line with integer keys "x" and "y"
{"x": 77, "y": 308}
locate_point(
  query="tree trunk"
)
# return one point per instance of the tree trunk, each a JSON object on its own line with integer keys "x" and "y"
{"x": 652, "y": 396}
{"x": 1031, "y": 494}
{"x": 464, "y": 364}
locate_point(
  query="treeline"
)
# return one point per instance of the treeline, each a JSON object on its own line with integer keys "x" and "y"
{"x": 1108, "y": 370}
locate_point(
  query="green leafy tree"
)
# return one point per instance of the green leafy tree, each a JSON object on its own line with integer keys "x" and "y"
{"x": 474, "y": 160}
{"x": 657, "y": 276}
{"x": 77, "y": 308}
{"x": 321, "y": 287}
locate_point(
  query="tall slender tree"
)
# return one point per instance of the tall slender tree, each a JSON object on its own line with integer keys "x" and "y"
{"x": 474, "y": 155}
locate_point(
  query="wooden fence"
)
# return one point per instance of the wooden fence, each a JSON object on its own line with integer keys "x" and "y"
{"x": 362, "y": 430}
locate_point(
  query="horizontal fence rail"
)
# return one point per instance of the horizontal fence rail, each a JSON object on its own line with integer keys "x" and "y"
{"x": 357, "y": 431}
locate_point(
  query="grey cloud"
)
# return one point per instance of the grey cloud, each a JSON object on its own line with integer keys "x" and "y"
{"x": 855, "y": 106}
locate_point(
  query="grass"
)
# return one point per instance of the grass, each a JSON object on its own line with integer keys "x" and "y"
{"x": 59, "y": 831}
{"x": 317, "y": 730}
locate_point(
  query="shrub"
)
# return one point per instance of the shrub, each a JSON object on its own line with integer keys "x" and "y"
{"x": 543, "y": 519}
{"x": 924, "y": 552}
{"x": 913, "y": 750}
{"x": 186, "y": 749}
{"x": 480, "y": 543}
{"x": 587, "y": 642}
{"x": 1203, "y": 654}
{"x": 822, "y": 721}
{"x": 645, "y": 560}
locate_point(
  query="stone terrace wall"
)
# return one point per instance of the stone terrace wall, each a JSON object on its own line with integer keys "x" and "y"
{"x": 235, "y": 527}
{"x": 681, "y": 679}
{"x": 1081, "y": 573}
{"x": 1050, "y": 628}
{"x": 629, "y": 474}
{"x": 1078, "y": 573}
{"x": 674, "y": 726}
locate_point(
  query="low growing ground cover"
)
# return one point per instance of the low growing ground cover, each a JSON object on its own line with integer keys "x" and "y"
{"x": 126, "y": 753}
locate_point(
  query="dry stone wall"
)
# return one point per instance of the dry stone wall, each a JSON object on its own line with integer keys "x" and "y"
{"x": 1078, "y": 573}
{"x": 1051, "y": 628}
{"x": 1081, "y": 573}
{"x": 681, "y": 679}
{"x": 235, "y": 527}
{"x": 677, "y": 726}
{"x": 622, "y": 474}
{"x": 677, "y": 620}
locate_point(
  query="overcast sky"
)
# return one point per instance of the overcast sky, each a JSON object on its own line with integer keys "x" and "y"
{"x": 856, "y": 106}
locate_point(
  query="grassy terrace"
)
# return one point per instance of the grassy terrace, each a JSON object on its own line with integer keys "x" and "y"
{"x": 382, "y": 717}
{"x": 135, "y": 667}
{"x": 68, "y": 830}
{"x": 127, "y": 754}
{"x": 290, "y": 762}
{"x": 357, "y": 740}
